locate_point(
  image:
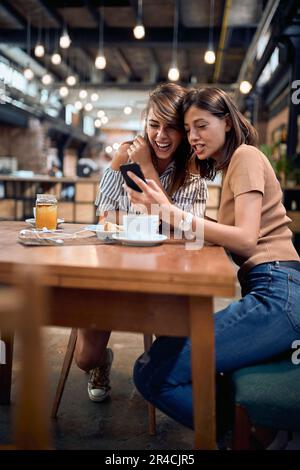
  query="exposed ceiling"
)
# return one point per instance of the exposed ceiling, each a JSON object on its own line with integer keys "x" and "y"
{"x": 129, "y": 60}
{"x": 134, "y": 64}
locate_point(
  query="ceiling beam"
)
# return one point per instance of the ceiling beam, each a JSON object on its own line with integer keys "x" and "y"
{"x": 222, "y": 41}
{"x": 51, "y": 12}
{"x": 97, "y": 18}
{"x": 23, "y": 22}
{"x": 93, "y": 3}
{"x": 134, "y": 5}
{"x": 94, "y": 12}
{"x": 91, "y": 60}
{"x": 125, "y": 64}
{"x": 90, "y": 65}
{"x": 142, "y": 85}
{"x": 155, "y": 69}
{"x": 14, "y": 14}
{"x": 188, "y": 63}
{"x": 122, "y": 37}
{"x": 155, "y": 60}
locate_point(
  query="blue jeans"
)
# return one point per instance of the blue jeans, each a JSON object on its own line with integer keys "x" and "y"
{"x": 261, "y": 325}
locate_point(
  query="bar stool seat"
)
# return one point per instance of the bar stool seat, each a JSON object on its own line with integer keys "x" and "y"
{"x": 266, "y": 395}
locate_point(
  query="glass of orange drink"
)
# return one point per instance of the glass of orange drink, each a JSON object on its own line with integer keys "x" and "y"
{"x": 46, "y": 212}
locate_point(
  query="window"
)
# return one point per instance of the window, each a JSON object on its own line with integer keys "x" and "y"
{"x": 88, "y": 125}
{"x": 262, "y": 44}
{"x": 69, "y": 112}
{"x": 270, "y": 68}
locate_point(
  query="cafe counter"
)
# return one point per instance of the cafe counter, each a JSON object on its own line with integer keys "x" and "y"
{"x": 75, "y": 196}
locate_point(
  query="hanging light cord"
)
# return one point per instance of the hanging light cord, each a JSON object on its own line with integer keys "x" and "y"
{"x": 39, "y": 40}
{"x": 140, "y": 9}
{"x": 101, "y": 25}
{"x": 175, "y": 33}
{"x": 28, "y": 35}
{"x": 211, "y": 25}
{"x": 47, "y": 45}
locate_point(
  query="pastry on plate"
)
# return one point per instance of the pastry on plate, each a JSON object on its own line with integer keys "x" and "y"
{"x": 110, "y": 227}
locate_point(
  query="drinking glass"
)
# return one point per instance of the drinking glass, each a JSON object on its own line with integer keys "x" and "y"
{"x": 46, "y": 212}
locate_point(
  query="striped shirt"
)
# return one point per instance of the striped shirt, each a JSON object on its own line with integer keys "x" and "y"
{"x": 191, "y": 197}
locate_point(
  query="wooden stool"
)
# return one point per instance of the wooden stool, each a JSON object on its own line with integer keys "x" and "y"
{"x": 66, "y": 369}
{"x": 23, "y": 308}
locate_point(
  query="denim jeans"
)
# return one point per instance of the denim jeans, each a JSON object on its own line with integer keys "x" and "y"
{"x": 259, "y": 326}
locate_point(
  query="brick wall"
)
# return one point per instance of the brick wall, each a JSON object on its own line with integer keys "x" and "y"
{"x": 27, "y": 145}
{"x": 274, "y": 123}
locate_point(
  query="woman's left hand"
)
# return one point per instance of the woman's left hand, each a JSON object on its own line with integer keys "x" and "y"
{"x": 139, "y": 152}
{"x": 152, "y": 195}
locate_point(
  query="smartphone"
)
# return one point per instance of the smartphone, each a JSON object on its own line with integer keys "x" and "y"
{"x": 136, "y": 169}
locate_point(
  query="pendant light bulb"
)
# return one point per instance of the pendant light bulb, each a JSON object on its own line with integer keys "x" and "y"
{"x": 139, "y": 31}
{"x": 63, "y": 91}
{"x": 100, "y": 62}
{"x": 47, "y": 79}
{"x": 56, "y": 58}
{"x": 245, "y": 87}
{"x": 28, "y": 73}
{"x": 173, "y": 74}
{"x": 39, "y": 50}
{"x": 65, "y": 40}
{"x": 71, "y": 80}
{"x": 210, "y": 57}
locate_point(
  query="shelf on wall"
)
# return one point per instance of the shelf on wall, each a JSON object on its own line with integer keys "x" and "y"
{"x": 75, "y": 196}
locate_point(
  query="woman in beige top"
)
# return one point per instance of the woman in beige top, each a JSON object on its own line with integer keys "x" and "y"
{"x": 252, "y": 224}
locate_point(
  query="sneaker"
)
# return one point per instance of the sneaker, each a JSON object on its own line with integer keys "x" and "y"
{"x": 98, "y": 386}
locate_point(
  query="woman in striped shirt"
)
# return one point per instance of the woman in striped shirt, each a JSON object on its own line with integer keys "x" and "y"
{"x": 164, "y": 156}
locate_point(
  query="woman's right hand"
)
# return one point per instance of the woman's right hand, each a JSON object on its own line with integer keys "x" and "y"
{"x": 121, "y": 157}
{"x": 139, "y": 152}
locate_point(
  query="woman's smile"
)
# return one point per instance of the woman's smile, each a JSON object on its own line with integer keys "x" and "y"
{"x": 163, "y": 146}
{"x": 163, "y": 137}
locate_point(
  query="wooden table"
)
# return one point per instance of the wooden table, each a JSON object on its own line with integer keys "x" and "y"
{"x": 163, "y": 290}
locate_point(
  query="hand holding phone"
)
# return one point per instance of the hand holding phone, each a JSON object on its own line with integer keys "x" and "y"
{"x": 136, "y": 169}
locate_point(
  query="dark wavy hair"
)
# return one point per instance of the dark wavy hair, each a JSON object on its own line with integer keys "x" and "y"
{"x": 219, "y": 103}
{"x": 166, "y": 104}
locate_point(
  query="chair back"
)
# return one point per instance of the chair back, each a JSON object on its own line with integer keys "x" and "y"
{"x": 23, "y": 308}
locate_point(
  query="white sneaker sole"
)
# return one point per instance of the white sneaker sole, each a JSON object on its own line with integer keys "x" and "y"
{"x": 98, "y": 399}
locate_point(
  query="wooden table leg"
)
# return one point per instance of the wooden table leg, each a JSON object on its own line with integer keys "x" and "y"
{"x": 203, "y": 371}
{"x": 6, "y": 369}
{"x": 64, "y": 372}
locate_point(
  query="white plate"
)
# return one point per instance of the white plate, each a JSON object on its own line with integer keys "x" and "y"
{"x": 94, "y": 228}
{"x": 100, "y": 232}
{"x": 157, "y": 240}
{"x": 32, "y": 221}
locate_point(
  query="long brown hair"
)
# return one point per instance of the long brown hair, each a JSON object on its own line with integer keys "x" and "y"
{"x": 166, "y": 101}
{"x": 219, "y": 103}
